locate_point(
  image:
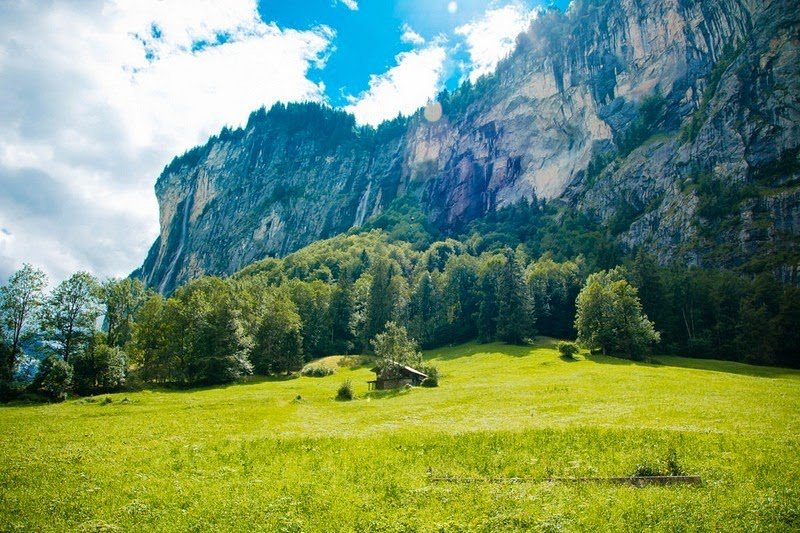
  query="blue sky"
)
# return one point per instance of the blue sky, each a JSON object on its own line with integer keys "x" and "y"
{"x": 97, "y": 96}
{"x": 368, "y": 39}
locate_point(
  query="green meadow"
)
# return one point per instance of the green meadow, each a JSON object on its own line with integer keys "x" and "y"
{"x": 283, "y": 455}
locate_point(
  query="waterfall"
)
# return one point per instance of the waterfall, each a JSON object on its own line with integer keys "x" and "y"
{"x": 361, "y": 212}
{"x": 174, "y": 263}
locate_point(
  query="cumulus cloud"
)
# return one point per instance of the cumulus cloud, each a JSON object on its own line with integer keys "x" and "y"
{"x": 352, "y": 5}
{"x": 97, "y": 96}
{"x": 410, "y": 36}
{"x": 492, "y": 37}
{"x": 404, "y": 88}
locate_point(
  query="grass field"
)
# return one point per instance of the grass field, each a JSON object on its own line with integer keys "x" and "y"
{"x": 255, "y": 457}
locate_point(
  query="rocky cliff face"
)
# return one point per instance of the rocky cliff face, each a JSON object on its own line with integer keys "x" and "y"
{"x": 550, "y": 123}
{"x": 290, "y": 177}
{"x": 724, "y": 189}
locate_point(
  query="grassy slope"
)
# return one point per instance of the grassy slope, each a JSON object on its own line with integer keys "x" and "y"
{"x": 251, "y": 456}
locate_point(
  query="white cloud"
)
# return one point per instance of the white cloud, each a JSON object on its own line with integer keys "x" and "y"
{"x": 404, "y": 88}
{"x": 352, "y": 5}
{"x": 493, "y": 36}
{"x": 410, "y": 36}
{"x": 97, "y": 96}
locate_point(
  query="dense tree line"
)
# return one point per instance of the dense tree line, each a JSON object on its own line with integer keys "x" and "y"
{"x": 337, "y": 296}
{"x": 720, "y": 314}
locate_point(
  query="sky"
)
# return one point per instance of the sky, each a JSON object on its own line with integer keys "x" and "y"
{"x": 97, "y": 96}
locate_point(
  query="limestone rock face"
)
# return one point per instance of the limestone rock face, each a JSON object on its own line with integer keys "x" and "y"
{"x": 565, "y": 97}
{"x": 744, "y": 157}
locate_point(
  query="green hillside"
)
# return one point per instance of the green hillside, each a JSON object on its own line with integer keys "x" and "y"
{"x": 281, "y": 454}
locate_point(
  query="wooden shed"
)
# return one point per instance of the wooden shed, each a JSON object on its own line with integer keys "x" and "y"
{"x": 395, "y": 377}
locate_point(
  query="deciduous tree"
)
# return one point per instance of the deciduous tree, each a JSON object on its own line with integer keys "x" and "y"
{"x": 610, "y": 318}
{"x": 20, "y": 298}
{"x": 70, "y": 313}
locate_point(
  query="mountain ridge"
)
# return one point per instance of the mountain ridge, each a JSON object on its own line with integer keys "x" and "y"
{"x": 553, "y": 122}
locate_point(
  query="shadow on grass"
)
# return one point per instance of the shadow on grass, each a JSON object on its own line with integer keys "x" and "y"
{"x": 27, "y": 399}
{"x": 450, "y": 353}
{"x": 709, "y": 365}
{"x": 730, "y": 367}
{"x": 243, "y": 382}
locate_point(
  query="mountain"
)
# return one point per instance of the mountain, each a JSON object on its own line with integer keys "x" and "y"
{"x": 673, "y": 124}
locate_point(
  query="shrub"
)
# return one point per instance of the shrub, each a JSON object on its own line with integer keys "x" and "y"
{"x": 668, "y": 467}
{"x": 345, "y": 392}
{"x": 430, "y": 382}
{"x": 647, "y": 469}
{"x": 317, "y": 371}
{"x": 674, "y": 467}
{"x": 568, "y": 349}
{"x": 433, "y": 376}
{"x": 54, "y": 378}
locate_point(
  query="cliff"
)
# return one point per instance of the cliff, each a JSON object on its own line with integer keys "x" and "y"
{"x": 674, "y": 123}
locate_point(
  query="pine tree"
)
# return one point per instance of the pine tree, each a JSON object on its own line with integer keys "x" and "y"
{"x": 425, "y": 315}
{"x": 381, "y": 298}
{"x": 514, "y": 307}
{"x": 341, "y": 313}
{"x": 646, "y": 277}
{"x": 553, "y": 288}
{"x": 460, "y": 299}
{"x": 488, "y": 306}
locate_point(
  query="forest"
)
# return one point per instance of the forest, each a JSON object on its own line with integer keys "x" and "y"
{"x": 526, "y": 271}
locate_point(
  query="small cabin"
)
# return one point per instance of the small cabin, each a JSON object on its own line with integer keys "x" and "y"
{"x": 395, "y": 377}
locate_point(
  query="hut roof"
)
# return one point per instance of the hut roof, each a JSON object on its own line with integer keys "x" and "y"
{"x": 404, "y": 369}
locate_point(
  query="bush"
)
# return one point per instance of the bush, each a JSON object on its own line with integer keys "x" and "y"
{"x": 430, "y": 382}
{"x": 674, "y": 467}
{"x": 668, "y": 467}
{"x": 568, "y": 349}
{"x": 345, "y": 392}
{"x": 316, "y": 371}
{"x": 433, "y": 376}
{"x": 647, "y": 469}
{"x": 54, "y": 378}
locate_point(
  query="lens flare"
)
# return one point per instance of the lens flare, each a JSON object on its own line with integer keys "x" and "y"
{"x": 452, "y": 7}
{"x": 433, "y": 112}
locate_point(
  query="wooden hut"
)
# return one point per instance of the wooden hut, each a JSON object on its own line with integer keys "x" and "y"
{"x": 395, "y": 377}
